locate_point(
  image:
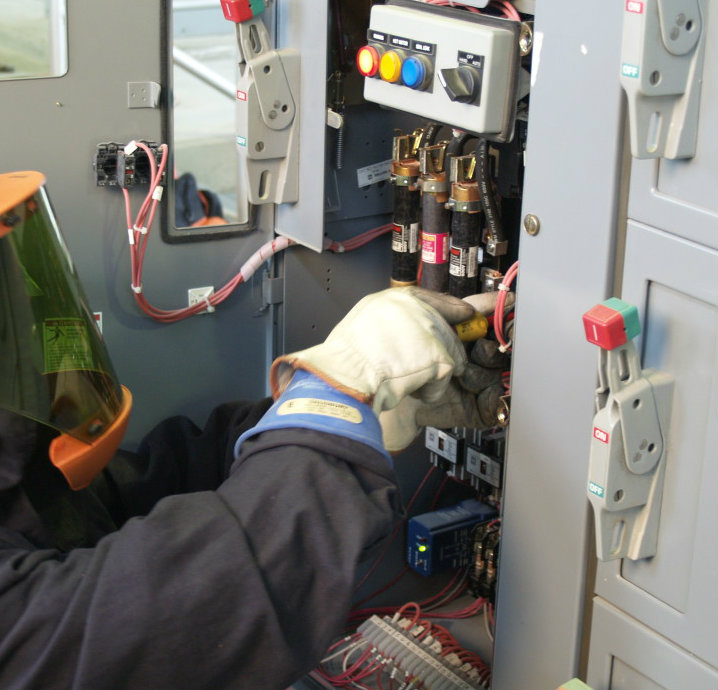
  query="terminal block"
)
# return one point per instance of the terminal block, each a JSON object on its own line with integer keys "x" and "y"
{"x": 115, "y": 168}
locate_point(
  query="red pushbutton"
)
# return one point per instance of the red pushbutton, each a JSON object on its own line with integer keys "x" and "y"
{"x": 604, "y": 327}
{"x": 368, "y": 61}
{"x": 237, "y": 10}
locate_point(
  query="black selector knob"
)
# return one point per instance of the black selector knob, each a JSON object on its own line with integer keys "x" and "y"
{"x": 461, "y": 83}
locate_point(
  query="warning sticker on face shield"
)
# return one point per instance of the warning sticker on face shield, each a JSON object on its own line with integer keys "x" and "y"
{"x": 66, "y": 345}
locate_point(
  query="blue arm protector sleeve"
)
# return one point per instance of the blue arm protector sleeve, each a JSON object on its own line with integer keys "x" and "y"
{"x": 308, "y": 402}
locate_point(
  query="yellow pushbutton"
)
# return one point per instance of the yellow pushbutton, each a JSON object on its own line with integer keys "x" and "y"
{"x": 390, "y": 66}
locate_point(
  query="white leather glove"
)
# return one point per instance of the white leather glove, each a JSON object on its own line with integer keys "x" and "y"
{"x": 392, "y": 344}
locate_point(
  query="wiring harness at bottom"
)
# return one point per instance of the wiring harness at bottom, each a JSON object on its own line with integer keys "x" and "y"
{"x": 403, "y": 654}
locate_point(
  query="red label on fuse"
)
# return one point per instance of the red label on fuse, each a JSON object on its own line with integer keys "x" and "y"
{"x": 600, "y": 435}
{"x": 434, "y": 247}
{"x": 241, "y": 95}
{"x": 634, "y": 6}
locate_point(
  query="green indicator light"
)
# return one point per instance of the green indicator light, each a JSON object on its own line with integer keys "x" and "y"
{"x": 422, "y": 547}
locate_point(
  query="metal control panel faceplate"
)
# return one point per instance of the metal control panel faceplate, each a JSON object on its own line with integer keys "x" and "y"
{"x": 471, "y": 62}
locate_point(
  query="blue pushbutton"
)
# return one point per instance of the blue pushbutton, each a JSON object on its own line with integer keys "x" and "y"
{"x": 414, "y": 72}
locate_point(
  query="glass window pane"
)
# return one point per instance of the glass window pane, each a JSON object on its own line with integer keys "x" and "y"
{"x": 33, "y": 38}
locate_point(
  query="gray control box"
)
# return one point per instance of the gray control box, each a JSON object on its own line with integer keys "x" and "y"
{"x": 470, "y": 62}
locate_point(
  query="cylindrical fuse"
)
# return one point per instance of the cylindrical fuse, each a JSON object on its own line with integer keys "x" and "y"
{"x": 435, "y": 219}
{"x": 466, "y": 223}
{"x": 405, "y": 236}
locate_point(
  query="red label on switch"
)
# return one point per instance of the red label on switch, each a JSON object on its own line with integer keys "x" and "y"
{"x": 600, "y": 435}
{"x": 634, "y": 6}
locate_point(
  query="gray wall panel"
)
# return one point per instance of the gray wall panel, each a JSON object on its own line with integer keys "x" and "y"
{"x": 184, "y": 368}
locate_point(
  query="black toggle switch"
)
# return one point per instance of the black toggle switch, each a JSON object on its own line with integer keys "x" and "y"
{"x": 460, "y": 83}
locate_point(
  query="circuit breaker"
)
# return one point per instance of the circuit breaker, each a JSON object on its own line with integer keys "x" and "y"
{"x": 450, "y": 66}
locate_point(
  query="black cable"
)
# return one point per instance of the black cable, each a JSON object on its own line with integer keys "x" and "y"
{"x": 488, "y": 199}
{"x": 431, "y": 132}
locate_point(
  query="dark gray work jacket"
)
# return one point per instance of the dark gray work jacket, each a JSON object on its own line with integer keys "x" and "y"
{"x": 182, "y": 568}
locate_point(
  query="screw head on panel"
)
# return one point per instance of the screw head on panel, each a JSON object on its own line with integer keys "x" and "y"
{"x": 532, "y": 225}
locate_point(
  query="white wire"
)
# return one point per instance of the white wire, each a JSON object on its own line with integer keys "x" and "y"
{"x": 487, "y": 625}
{"x": 344, "y": 650}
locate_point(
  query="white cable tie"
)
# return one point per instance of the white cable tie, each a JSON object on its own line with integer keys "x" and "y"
{"x": 137, "y": 289}
{"x": 157, "y": 193}
{"x": 130, "y": 148}
{"x": 210, "y": 307}
{"x": 131, "y": 235}
{"x": 142, "y": 230}
{"x": 504, "y": 287}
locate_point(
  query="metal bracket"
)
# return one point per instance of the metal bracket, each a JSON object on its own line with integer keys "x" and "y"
{"x": 272, "y": 290}
{"x": 661, "y": 72}
{"x": 267, "y": 116}
{"x": 628, "y": 458}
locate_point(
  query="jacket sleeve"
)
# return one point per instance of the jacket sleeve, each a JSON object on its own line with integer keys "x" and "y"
{"x": 175, "y": 457}
{"x": 242, "y": 587}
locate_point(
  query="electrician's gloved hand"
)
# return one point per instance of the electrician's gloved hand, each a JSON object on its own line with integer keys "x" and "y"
{"x": 392, "y": 344}
{"x": 470, "y": 400}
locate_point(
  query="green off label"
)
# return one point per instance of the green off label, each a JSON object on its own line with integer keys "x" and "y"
{"x": 628, "y": 70}
{"x": 595, "y": 489}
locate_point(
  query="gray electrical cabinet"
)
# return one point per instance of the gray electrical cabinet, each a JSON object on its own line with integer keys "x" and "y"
{"x": 604, "y": 224}
{"x": 654, "y": 623}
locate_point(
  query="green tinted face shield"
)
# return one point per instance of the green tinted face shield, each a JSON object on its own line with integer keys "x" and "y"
{"x": 54, "y": 366}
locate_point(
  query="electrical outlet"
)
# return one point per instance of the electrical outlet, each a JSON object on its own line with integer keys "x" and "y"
{"x": 199, "y": 294}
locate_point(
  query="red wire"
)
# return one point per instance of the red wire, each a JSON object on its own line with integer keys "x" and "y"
{"x": 139, "y": 232}
{"x": 397, "y": 527}
{"x": 500, "y": 306}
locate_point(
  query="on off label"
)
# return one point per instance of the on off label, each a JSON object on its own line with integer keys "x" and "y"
{"x": 600, "y": 435}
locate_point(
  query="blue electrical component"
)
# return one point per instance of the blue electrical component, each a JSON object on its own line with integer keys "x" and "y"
{"x": 441, "y": 540}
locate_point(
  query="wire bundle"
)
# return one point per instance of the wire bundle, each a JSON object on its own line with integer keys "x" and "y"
{"x": 406, "y": 650}
{"x": 504, "y": 7}
{"x": 138, "y": 232}
{"x": 504, "y": 286}
{"x": 356, "y": 241}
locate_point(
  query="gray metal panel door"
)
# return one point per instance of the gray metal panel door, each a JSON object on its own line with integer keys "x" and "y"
{"x": 675, "y": 285}
{"x": 630, "y": 656}
{"x": 671, "y": 272}
{"x": 571, "y": 184}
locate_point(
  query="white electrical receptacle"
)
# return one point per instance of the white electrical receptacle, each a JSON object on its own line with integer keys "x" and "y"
{"x": 199, "y": 294}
